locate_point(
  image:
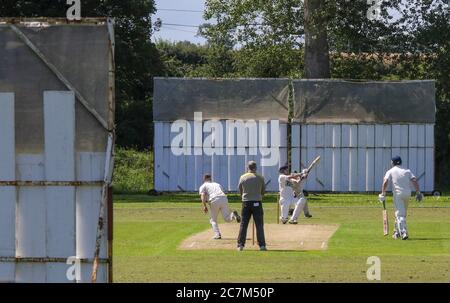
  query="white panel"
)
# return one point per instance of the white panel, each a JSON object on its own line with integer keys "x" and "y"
{"x": 198, "y": 172}
{"x": 311, "y": 154}
{"x": 336, "y": 170}
{"x": 238, "y": 169}
{"x": 220, "y": 169}
{"x": 328, "y": 135}
{"x": 337, "y": 134}
{"x": 345, "y": 166}
{"x": 413, "y": 135}
{"x": 304, "y": 135}
{"x": 159, "y": 156}
{"x": 429, "y": 135}
{"x": 387, "y": 140}
{"x": 370, "y": 136}
{"x": 311, "y": 135}
{"x": 379, "y": 164}
{"x": 31, "y": 219}
{"x": 404, "y": 135}
{"x": 283, "y": 135}
{"x": 362, "y": 135}
{"x": 31, "y": 273}
{"x": 173, "y": 171}
{"x": 379, "y": 135}
{"x": 320, "y": 170}
{"x": 326, "y": 165}
{"x": 413, "y": 160}
{"x": 190, "y": 173}
{"x": 320, "y": 135}
{"x": 182, "y": 173}
{"x": 429, "y": 169}
{"x": 303, "y": 159}
{"x": 404, "y": 156}
{"x": 7, "y": 194}
{"x": 57, "y": 273}
{"x": 295, "y": 134}
{"x": 59, "y": 130}
{"x": 353, "y": 136}
{"x": 206, "y": 164}
{"x": 420, "y": 172}
{"x": 396, "y": 134}
{"x": 370, "y": 169}
{"x": 395, "y": 151}
{"x": 90, "y": 167}
{"x": 361, "y": 170}
{"x": 345, "y": 135}
{"x": 168, "y": 136}
{"x": 353, "y": 169}
{"x": 295, "y": 159}
{"x": 165, "y": 168}
{"x": 420, "y": 135}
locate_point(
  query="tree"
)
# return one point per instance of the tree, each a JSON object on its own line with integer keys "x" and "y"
{"x": 283, "y": 27}
{"x": 317, "y": 61}
{"x": 137, "y": 59}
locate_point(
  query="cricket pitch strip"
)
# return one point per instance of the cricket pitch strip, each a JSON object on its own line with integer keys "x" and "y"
{"x": 278, "y": 237}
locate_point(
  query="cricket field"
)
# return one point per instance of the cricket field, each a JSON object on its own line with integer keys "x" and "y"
{"x": 148, "y": 231}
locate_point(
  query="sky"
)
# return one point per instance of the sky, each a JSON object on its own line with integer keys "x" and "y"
{"x": 179, "y": 20}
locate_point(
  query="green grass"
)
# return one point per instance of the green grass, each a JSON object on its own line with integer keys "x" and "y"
{"x": 148, "y": 230}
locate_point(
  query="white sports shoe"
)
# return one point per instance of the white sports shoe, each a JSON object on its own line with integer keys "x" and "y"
{"x": 240, "y": 248}
{"x": 283, "y": 220}
{"x": 217, "y": 237}
{"x": 405, "y": 236}
{"x": 396, "y": 235}
{"x": 293, "y": 222}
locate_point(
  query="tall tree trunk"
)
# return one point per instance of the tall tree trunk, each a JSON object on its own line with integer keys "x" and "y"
{"x": 317, "y": 61}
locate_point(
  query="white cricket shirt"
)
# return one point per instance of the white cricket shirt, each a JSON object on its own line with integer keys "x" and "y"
{"x": 286, "y": 187}
{"x": 214, "y": 191}
{"x": 401, "y": 179}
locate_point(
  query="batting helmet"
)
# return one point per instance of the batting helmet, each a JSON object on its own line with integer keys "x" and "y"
{"x": 396, "y": 160}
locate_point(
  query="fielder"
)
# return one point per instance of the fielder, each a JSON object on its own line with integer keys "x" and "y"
{"x": 213, "y": 194}
{"x": 401, "y": 179}
{"x": 287, "y": 182}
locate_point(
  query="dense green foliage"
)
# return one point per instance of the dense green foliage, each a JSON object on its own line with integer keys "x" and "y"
{"x": 133, "y": 171}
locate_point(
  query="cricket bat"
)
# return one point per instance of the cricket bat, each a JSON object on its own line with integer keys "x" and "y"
{"x": 314, "y": 163}
{"x": 385, "y": 220}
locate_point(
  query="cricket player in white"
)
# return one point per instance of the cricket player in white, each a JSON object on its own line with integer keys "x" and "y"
{"x": 213, "y": 194}
{"x": 287, "y": 182}
{"x": 401, "y": 179}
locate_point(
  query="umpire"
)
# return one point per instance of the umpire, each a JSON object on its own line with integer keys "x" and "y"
{"x": 252, "y": 188}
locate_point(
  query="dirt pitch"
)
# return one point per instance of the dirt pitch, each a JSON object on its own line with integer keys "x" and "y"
{"x": 278, "y": 237}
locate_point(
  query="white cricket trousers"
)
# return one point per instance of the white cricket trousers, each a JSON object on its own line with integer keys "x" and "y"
{"x": 219, "y": 206}
{"x": 285, "y": 205}
{"x": 401, "y": 207}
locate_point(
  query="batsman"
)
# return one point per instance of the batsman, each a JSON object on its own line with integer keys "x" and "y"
{"x": 401, "y": 179}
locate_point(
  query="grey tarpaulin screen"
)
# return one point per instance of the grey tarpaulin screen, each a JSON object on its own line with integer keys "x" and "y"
{"x": 340, "y": 101}
{"x": 81, "y": 54}
{"x": 258, "y": 99}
